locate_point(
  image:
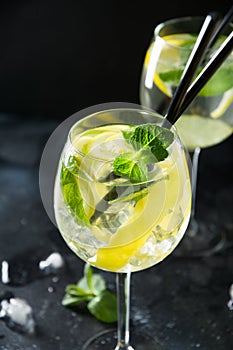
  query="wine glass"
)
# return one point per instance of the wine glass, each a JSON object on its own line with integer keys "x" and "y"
{"x": 207, "y": 121}
{"x": 122, "y": 200}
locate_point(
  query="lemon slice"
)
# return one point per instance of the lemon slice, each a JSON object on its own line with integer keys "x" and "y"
{"x": 114, "y": 258}
{"x": 133, "y": 235}
{"x": 223, "y": 105}
{"x": 87, "y": 142}
{"x": 162, "y": 57}
{"x": 157, "y": 81}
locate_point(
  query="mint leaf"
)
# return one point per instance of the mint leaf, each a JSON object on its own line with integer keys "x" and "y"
{"x": 130, "y": 166}
{"x": 151, "y": 137}
{"x": 76, "y": 295}
{"x": 88, "y": 275}
{"x": 71, "y": 301}
{"x": 75, "y": 290}
{"x": 221, "y": 81}
{"x": 171, "y": 76}
{"x": 91, "y": 290}
{"x": 132, "y": 196}
{"x": 217, "y": 85}
{"x": 90, "y": 283}
{"x": 150, "y": 142}
{"x": 104, "y": 307}
{"x": 98, "y": 284}
{"x": 71, "y": 192}
{"x": 189, "y": 44}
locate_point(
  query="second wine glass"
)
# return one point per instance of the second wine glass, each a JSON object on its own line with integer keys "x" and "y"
{"x": 206, "y": 122}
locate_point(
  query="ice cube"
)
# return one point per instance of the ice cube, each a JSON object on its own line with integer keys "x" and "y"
{"x": 53, "y": 263}
{"x": 5, "y": 272}
{"x": 18, "y": 315}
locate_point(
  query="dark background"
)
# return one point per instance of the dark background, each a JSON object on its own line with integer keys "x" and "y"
{"x": 59, "y": 56}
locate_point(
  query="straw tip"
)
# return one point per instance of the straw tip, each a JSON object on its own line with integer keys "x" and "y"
{"x": 214, "y": 15}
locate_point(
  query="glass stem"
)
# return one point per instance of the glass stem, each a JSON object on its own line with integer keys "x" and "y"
{"x": 123, "y": 300}
{"x": 195, "y": 161}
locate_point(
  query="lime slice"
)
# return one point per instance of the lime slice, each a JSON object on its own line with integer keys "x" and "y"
{"x": 197, "y": 131}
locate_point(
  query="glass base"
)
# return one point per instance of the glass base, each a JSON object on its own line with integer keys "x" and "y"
{"x": 107, "y": 340}
{"x": 202, "y": 240}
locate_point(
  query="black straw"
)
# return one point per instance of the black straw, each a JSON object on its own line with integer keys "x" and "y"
{"x": 202, "y": 44}
{"x": 226, "y": 20}
{"x": 211, "y": 67}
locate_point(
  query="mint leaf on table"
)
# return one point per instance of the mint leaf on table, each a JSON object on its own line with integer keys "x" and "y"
{"x": 91, "y": 281}
{"x": 71, "y": 192}
{"x": 91, "y": 289}
{"x": 150, "y": 143}
{"x": 104, "y": 306}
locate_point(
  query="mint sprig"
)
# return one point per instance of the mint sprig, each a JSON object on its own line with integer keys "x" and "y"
{"x": 91, "y": 290}
{"x": 71, "y": 192}
{"x": 217, "y": 85}
{"x": 130, "y": 166}
{"x": 150, "y": 143}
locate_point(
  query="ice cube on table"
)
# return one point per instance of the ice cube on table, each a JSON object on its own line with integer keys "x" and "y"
{"x": 5, "y": 272}
{"x": 18, "y": 315}
{"x": 53, "y": 262}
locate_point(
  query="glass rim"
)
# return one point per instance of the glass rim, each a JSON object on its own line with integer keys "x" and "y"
{"x": 175, "y": 20}
{"x": 144, "y": 110}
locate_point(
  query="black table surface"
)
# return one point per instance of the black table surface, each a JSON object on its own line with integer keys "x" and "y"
{"x": 183, "y": 301}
